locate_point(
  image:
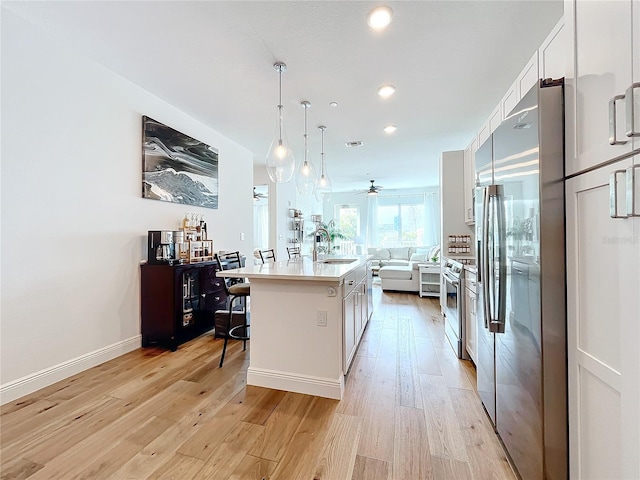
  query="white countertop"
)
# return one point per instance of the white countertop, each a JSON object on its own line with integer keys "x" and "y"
{"x": 299, "y": 269}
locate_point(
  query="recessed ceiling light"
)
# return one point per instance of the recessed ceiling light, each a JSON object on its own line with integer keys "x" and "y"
{"x": 390, "y": 128}
{"x": 379, "y": 17}
{"x": 386, "y": 91}
{"x": 334, "y": 104}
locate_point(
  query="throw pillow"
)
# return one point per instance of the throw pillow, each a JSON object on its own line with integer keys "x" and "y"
{"x": 417, "y": 257}
{"x": 400, "y": 253}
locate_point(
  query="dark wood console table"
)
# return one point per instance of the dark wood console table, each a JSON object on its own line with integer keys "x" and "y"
{"x": 179, "y": 302}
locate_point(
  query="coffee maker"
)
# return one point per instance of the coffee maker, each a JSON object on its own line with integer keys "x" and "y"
{"x": 161, "y": 247}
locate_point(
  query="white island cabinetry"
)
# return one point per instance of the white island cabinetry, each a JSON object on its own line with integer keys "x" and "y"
{"x": 306, "y": 322}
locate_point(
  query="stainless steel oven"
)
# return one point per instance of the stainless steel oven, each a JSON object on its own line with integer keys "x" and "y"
{"x": 454, "y": 326}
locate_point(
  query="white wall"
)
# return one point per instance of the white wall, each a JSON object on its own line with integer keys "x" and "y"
{"x": 73, "y": 221}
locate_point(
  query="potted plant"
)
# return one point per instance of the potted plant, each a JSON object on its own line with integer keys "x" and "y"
{"x": 334, "y": 233}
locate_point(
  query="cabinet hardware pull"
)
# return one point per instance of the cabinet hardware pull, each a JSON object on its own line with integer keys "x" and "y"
{"x": 613, "y": 122}
{"x": 629, "y": 102}
{"x": 631, "y": 191}
{"x": 613, "y": 194}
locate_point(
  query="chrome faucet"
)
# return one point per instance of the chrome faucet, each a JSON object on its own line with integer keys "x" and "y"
{"x": 320, "y": 230}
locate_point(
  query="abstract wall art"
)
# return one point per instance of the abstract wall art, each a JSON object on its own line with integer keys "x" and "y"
{"x": 177, "y": 168}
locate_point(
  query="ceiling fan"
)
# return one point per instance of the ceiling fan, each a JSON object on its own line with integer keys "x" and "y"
{"x": 372, "y": 190}
{"x": 258, "y": 195}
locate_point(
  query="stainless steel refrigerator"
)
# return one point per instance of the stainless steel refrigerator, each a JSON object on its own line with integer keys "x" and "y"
{"x": 521, "y": 313}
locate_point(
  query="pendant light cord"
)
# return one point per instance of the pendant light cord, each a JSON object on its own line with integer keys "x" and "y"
{"x": 280, "y": 105}
{"x": 322, "y": 152}
{"x": 306, "y": 146}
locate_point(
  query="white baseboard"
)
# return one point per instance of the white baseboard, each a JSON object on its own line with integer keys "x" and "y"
{"x": 30, "y": 383}
{"x": 318, "y": 386}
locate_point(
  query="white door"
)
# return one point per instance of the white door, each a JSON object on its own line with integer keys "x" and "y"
{"x": 603, "y": 317}
{"x": 602, "y": 70}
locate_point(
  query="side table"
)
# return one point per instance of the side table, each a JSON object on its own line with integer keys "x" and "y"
{"x": 429, "y": 279}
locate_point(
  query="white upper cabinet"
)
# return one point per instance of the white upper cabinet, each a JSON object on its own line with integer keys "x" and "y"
{"x": 484, "y": 133}
{"x": 495, "y": 119}
{"x": 510, "y": 99}
{"x": 599, "y": 75}
{"x": 469, "y": 181}
{"x": 554, "y": 53}
{"x": 528, "y": 77}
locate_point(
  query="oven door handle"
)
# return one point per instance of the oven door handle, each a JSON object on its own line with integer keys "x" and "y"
{"x": 451, "y": 280}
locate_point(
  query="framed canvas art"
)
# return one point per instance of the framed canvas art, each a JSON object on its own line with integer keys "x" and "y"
{"x": 177, "y": 168}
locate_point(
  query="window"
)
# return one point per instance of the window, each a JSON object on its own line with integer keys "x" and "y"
{"x": 348, "y": 220}
{"x": 401, "y": 224}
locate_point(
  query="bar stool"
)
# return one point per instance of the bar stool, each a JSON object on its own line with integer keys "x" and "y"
{"x": 268, "y": 255}
{"x": 236, "y": 288}
{"x": 293, "y": 252}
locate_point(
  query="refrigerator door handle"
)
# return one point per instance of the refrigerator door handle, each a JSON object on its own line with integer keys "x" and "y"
{"x": 498, "y": 325}
{"x": 629, "y": 102}
{"x": 613, "y": 140}
{"x": 613, "y": 194}
{"x": 631, "y": 191}
{"x": 484, "y": 257}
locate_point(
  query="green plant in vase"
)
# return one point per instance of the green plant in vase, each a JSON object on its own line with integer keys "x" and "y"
{"x": 334, "y": 233}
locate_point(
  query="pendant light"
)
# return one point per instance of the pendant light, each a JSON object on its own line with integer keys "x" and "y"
{"x": 306, "y": 173}
{"x": 280, "y": 161}
{"x": 323, "y": 184}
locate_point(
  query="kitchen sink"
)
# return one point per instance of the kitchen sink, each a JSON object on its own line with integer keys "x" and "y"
{"x": 338, "y": 260}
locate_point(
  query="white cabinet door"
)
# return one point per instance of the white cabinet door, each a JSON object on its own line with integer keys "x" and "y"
{"x": 469, "y": 181}
{"x": 470, "y": 323}
{"x": 510, "y": 100}
{"x": 603, "y": 329}
{"x": 602, "y": 70}
{"x": 554, "y": 53}
{"x": 349, "y": 333}
{"x": 484, "y": 133}
{"x": 495, "y": 119}
{"x": 528, "y": 77}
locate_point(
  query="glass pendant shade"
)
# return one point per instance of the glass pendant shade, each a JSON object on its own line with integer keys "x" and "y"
{"x": 306, "y": 172}
{"x": 306, "y": 178}
{"x": 323, "y": 184}
{"x": 323, "y": 188}
{"x": 281, "y": 163}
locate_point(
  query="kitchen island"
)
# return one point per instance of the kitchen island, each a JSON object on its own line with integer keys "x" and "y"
{"x": 307, "y": 319}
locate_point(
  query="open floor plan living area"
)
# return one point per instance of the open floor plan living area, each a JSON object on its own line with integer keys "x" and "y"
{"x": 320, "y": 240}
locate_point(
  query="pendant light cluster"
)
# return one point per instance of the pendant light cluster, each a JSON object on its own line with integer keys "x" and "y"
{"x": 281, "y": 164}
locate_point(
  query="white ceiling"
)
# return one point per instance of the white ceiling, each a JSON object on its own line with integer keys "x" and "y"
{"x": 450, "y": 61}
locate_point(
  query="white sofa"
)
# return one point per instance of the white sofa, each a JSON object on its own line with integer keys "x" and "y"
{"x": 398, "y": 268}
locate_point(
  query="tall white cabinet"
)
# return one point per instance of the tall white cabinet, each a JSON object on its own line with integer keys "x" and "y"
{"x": 603, "y": 331}
{"x": 603, "y": 238}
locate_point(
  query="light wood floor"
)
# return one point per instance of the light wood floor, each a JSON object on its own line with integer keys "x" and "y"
{"x": 410, "y": 412}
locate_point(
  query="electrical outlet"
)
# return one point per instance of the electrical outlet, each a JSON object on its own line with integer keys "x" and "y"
{"x": 322, "y": 318}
